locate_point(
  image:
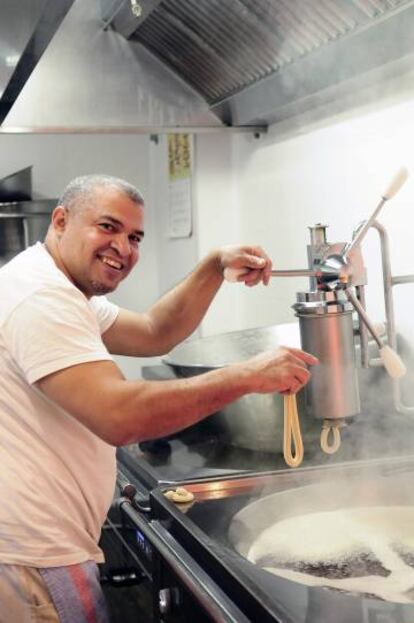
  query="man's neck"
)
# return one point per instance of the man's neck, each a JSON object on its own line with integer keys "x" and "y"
{"x": 52, "y": 248}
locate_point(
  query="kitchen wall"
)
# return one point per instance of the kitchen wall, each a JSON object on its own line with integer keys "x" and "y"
{"x": 278, "y": 187}
{"x": 216, "y": 221}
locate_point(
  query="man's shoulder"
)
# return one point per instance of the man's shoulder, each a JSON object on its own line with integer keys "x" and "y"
{"x": 34, "y": 263}
{"x": 29, "y": 274}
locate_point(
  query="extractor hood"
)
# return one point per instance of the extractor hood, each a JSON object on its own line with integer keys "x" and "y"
{"x": 26, "y": 28}
{"x": 142, "y": 64}
{"x": 23, "y": 221}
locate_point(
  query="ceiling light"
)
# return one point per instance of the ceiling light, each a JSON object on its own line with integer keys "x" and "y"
{"x": 136, "y": 8}
{"x": 12, "y": 60}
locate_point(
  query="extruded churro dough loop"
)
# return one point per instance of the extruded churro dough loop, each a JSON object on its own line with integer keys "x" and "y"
{"x": 291, "y": 432}
{"x": 330, "y": 447}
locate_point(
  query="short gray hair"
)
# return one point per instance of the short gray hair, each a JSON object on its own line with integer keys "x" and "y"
{"x": 79, "y": 189}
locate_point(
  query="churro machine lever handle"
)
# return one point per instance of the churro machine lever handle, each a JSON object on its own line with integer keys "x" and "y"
{"x": 234, "y": 274}
{"x": 397, "y": 181}
{"x": 391, "y": 360}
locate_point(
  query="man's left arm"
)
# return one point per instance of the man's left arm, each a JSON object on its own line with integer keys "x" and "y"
{"x": 178, "y": 313}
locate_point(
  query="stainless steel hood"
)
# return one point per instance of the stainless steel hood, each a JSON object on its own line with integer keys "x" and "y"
{"x": 23, "y": 221}
{"x": 26, "y": 28}
{"x": 143, "y": 64}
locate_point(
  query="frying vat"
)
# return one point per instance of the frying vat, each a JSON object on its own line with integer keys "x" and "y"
{"x": 339, "y": 494}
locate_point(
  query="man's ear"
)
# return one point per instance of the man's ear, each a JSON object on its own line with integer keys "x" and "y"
{"x": 59, "y": 219}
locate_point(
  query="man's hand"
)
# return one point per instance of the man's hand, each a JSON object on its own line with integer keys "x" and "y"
{"x": 251, "y": 263}
{"x": 284, "y": 371}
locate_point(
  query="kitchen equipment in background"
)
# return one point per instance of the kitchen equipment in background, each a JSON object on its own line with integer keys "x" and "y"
{"x": 17, "y": 186}
{"x": 23, "y": 221}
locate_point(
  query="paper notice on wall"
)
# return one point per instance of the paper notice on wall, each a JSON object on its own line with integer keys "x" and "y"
{"x": 180, "y": 150}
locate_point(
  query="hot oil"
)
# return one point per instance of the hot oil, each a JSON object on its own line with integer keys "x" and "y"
{"x": 361, "y": 565}
{"x": 368, "y": 551}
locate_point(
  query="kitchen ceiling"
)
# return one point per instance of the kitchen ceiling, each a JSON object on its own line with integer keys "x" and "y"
{"x": 224, "y": 62}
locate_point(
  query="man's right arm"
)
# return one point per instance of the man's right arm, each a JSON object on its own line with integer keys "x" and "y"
{"x": 120, "y": 411}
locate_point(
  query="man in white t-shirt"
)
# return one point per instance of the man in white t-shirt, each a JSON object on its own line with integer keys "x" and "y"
{"x": 64, "y": 403}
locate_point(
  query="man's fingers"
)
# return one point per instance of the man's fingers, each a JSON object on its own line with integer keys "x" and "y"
{"x": 257, "y": 259}
{"x": 295, "y": 385}
{"x": 249, "y": 265}
{"x": 266, "y": 267}
{"x": 297, "y": 382}
{"x": 304, "y": 356}
{"x": 300, "y": 375}
{"x": 253, "y": 278}
{"x": 303, "y": 376}
{"x": 267, "y": 273}
{"x": 254, "y": 262}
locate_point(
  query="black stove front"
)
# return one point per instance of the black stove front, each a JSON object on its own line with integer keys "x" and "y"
{"x": 182, "y": 590}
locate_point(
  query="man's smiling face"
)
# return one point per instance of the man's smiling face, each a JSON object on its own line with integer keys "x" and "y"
{"x": 98, "y": 240}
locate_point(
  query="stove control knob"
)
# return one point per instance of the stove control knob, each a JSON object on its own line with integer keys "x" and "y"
{"x": 164, "y": 600}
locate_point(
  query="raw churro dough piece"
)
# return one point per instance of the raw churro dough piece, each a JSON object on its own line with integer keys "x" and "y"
{"x": 179, "y": 495}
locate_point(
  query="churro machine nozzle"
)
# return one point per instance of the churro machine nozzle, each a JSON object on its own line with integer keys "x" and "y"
{"x": 325, "y": 312}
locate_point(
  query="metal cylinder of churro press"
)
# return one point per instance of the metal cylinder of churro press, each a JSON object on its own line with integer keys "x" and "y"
{"x": 326, "y": 329}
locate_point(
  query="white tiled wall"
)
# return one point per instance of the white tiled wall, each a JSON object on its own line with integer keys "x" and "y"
{"x": 334, "y": 175}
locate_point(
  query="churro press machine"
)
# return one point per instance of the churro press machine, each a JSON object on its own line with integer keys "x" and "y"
{"x": 337, "y": 289}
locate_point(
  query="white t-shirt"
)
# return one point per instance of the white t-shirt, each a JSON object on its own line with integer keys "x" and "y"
{"x": 56, "y": 477}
